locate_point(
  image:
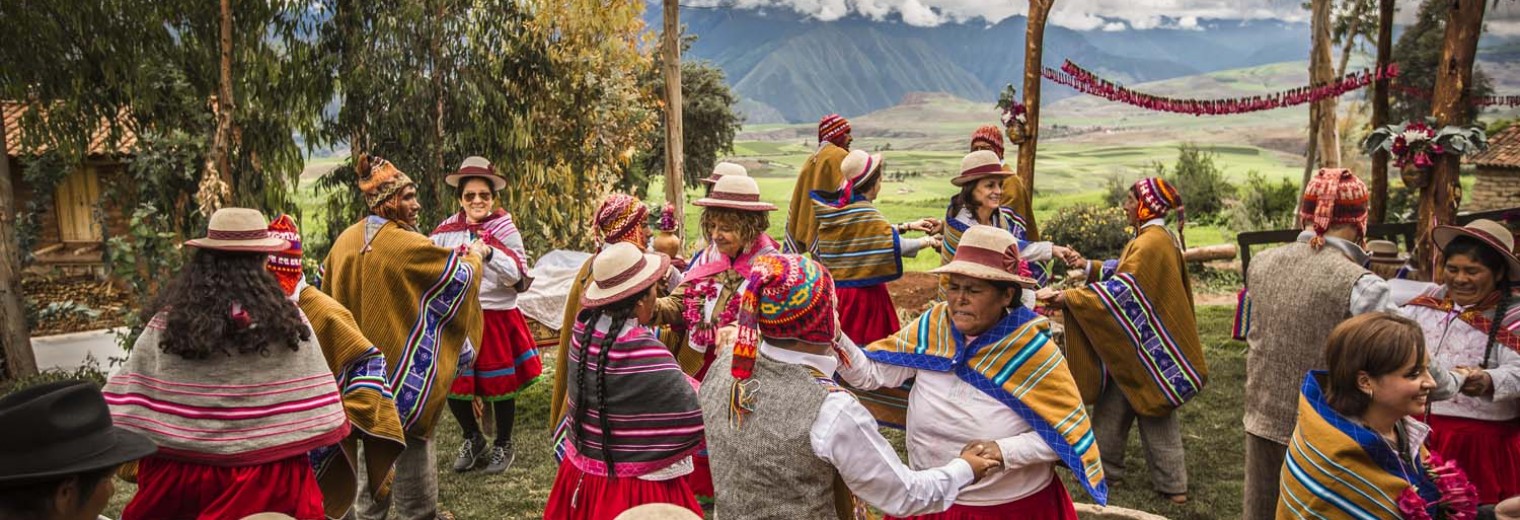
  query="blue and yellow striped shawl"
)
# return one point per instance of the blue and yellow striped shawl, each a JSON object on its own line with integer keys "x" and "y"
{"x": 856, "y": 243}
{"x": 1015, "y": 363}
{"x": 1338, "y": 469}
{"x": 1005, "y": 218}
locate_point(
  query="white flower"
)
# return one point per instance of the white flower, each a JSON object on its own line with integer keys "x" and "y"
{"x": 1411, "y": 136}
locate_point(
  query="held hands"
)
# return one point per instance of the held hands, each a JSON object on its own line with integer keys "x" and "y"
{"x": 1071, "y": 257}
{"x": 479, "y": 248}
{"x": 984, "y": 458}
{"x": 727, "y": 336}
{"x": 1050, "y": 297}
{"x": 1477, "y": 382}
{"x": 925, "y": 225}
{"x": 934, "y": 242}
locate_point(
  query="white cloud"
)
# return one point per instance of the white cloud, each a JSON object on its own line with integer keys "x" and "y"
{"x": 1114, "y": 27}
{"x": 1082, "y": 15}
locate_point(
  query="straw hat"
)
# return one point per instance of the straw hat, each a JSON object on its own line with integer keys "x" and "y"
{"x": 622, "y": 270}
{"x": 269, "y": 516}
{"x": 723, "y": 169}
{"x": 658, "y": 512}
{"x": 735, "y": 192}
{"x": 1490, "y": 233}
{"x": 979, "y": 164}
{"x": 987, "y": 253}
{"x": 1384, "y": 252}
{"x": 476, "y": 166}
{"x": 859, "y": 166}
{"x": 239, "y": 229}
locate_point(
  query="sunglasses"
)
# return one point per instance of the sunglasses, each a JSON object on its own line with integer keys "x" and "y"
{"x": 482, "y": 196}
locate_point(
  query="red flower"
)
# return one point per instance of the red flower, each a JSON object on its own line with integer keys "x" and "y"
{"x": 1411, "y": 506}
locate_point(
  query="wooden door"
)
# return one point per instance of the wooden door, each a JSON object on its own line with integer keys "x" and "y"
{"x": 74, "y": 202}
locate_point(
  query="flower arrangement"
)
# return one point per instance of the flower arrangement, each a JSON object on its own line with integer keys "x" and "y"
{"x": 1416, "y": 143}
{"x": 1014, "y": 115}
{"x": 1459, "y": 497}
{"x": 667, "y": 218}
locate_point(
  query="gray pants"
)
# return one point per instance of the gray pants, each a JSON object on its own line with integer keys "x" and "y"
{"x": 414, "y": 490}
{"x": 1160, "y": 436}
{"x": 1264, "y": 462}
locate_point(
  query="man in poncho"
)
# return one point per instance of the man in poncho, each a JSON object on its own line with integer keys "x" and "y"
{"x": 417, "y": 302}
{"x": 1132, "y": 340}
{"x": 820, "y": 172}
{"x": 360, "y": 371}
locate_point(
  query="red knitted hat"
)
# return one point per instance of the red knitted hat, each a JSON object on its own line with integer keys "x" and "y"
{"x": 286, "y": 265}
{"x": 833, "y": 128}
{"x": 991, "y": 135}
{"x": 1334, "y": 196}
{"x": 785, "y": 297}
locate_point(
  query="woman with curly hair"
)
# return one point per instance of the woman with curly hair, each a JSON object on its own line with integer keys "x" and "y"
{"x": 734, "y": 220}
{"x": 229, "y": 381}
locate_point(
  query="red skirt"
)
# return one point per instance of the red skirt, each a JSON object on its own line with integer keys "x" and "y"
{"x": 1051, "y": 503}
{"x": 578, "y": 495}
{"x": 1488, "y": 451}
{"x": 866, "y": 313}
{"x": 506, "y": 361}
{"x": 701, "y": 476}
{"x": 174, "y": 490}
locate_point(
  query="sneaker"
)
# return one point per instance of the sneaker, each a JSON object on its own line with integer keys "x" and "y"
{"x": 470, "y": 453}
{"x": 501, "y": 458}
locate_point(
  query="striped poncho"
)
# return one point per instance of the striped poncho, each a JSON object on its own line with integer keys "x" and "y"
{"x": 1004, "y": 218}
{"x": 854, "y": 240}
{"x": 650, "y": 405}
{"x": 227, "y": 410}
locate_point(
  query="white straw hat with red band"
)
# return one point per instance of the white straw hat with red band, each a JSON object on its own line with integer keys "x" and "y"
{"x": 476, "y": 166}
{"x": 239, "y": 229}
{"x": 622, "y": 270}
{"x": 736, "y": 192}
{"x": 987, "y": 253}
{"x": 1490, "y": 233}
{"x": 978, "y": 165}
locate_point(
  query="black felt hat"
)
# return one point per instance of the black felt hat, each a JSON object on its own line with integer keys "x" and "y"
{"x": 59, "y": 429}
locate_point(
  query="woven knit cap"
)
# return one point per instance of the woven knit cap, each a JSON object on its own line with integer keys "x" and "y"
{"x": 1334, "y": 196}
{"x": 833, "y": 128}
{"x": 725, "y": 168}
{"x": 785, "y": 297}
{"x": 991, "y": 135}
{"x": 379, "y": 180}
{"x": 1156, "y": 198}
{"x": 618, "y": 217}
{"x": 286, "y": 265}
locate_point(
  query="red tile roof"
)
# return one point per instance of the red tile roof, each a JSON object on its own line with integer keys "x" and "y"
{"x": 98, "y": 142}
{"x": 1503, "y": 150}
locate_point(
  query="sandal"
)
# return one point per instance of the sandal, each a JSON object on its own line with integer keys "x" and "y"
{"x": 1176, "y": 498}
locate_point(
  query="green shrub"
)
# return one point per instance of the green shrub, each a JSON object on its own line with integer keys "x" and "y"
{"x": 1202, "y": 184}
{"x": 1264, "y": 204}
{"x": 1097, "y": 232}
{"x": 89, "y": 371}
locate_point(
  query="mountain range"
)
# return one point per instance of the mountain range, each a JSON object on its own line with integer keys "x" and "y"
{"x": 790, "y": 68}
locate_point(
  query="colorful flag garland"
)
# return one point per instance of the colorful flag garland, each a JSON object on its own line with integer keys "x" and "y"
{"x": 1087, "y": 82}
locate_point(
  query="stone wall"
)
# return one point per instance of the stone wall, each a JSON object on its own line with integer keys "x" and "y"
{"x": 1494, "y": 188}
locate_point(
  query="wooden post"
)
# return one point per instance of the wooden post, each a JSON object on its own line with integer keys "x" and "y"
{"x": 1322, "y": 71}
{"x": 1449, "y": 105}
{"x": 1034, "y": 50}
{"x": 216, "y": 182}
{"x": 16, "y": 356}
{"x": 675, "y": 181}
{"x": 1379, "y": 208}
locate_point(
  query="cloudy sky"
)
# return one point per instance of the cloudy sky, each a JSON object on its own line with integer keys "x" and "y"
{"x": 1110, "y": 15}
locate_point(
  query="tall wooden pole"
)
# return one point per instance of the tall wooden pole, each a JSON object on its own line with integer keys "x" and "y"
{"x": 1034, "y": 51}
{"x": 1449, "y": 105}
{"x": 1379, "y": 209}
{"x": 675, "y": 181}
{"x": 17, "y": 359}
{"x": 215, "y": 188}
{"x": 1322, "y": 71}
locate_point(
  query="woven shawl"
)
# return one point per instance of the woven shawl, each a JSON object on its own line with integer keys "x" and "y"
{"x": 417, "y": 303}
{"x": 1337, "y": 469}
{"x": 650, "y": 404}
{"x": 1017, "y": 197}
{"x": 1004, "y": 218}
{"x": 1016, "y": 363}
{"x": 1479, "y": 317}
{"x": 820, "y": 172}
{"x": 1137, "y": 327}
{"x": 371, "y": 409}
{"x": 227, "y": 410}
{"x": 494, "y": 230}
{"x": 855, "y": 242}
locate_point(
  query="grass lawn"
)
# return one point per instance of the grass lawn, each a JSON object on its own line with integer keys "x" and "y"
{"x": 1211, "y": 428}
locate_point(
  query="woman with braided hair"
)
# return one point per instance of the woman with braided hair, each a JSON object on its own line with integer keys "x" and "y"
{"x": 632, "y": 420}
{"x": 1474, "y": 336}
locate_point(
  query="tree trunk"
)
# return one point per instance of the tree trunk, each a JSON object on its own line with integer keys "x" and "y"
{"x": 1321, "y": 72}
{"x": 435, "y": 56}
{"x": 675, "y": 157}
{"x": 1352, "y": 32}
{"x": 1379, "y": 210}
{"x": 1449, "y": 106}
{"x": 216, "y": 182}
{"x": 1311, "y": 155}
{"x": 16, "y": 358}
{"x": 1034, "y": 50}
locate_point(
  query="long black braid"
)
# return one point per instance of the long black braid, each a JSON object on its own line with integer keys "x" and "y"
{"x": 619, "y": 312}
{"x": 1488, "y": 257}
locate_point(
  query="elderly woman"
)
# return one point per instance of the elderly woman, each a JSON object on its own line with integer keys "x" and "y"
{"x": 980, "y": 202}
{"x": 862, "y": 250}
{"x": 1471, "y": 328}
{"x": 506, "y": 360}
{"x": 987, "y": 373}
{"x": 734, "y": 222}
